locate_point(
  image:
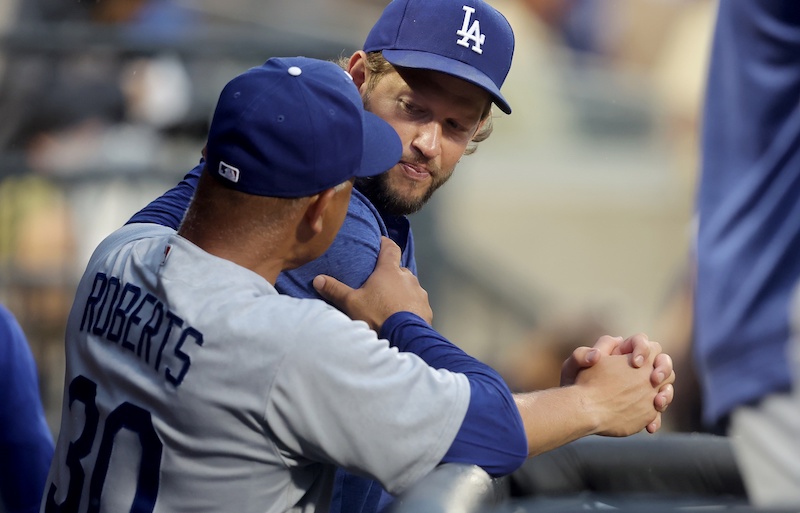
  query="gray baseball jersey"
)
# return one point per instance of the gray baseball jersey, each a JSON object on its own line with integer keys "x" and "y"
{"x": 192, "y": 385}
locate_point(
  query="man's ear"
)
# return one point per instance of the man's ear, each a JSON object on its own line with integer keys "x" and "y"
{"x": 357, "y": 67}
{"x": 315, "y": 212}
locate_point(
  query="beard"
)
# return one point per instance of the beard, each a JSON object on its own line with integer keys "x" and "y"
{"x": 378, "y": 190}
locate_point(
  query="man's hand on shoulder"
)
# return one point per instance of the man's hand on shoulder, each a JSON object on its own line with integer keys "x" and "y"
{"x": 389, "y": 289}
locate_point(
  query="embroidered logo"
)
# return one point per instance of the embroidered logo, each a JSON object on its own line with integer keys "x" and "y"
{"x": 471, "y": 32}
{"x": 167, "y": 250}
{"x": 229, "y": 172}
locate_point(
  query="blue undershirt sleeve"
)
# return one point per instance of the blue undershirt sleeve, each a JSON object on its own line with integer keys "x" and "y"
{"x": 168, "y": 209}
{"x": 350, "y": 258}
{"x": 492, "y": 434}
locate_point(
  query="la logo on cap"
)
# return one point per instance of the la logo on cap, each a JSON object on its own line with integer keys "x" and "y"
{"x": 467, "y": 39}
{"x": 471, "y": 32}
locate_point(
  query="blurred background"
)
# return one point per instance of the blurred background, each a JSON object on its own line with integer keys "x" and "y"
{"x": 573, "y": 220}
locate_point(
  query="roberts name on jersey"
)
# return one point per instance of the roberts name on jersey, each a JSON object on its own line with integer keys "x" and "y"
{"x": 118, "y": 313}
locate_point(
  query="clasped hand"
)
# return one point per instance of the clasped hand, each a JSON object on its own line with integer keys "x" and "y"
{"x": 640, "y": 352}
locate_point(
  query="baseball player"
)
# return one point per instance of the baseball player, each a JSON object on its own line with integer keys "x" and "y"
{"x": 432, "y": 69}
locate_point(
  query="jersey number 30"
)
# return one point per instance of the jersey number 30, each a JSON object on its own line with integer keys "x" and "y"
{"x": 125, "y": 416}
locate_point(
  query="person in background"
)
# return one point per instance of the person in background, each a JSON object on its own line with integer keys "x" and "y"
{"x": 26, "y": 444}
{"x": 748, "y": 245}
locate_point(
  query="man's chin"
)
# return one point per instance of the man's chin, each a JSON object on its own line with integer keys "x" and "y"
{"x": 406, "y": 208}
{"x": 393, "y": 200}
{"x": 398, "y": 206}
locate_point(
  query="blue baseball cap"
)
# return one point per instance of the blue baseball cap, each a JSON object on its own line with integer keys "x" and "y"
{"x": 468, "y": 39}
{"x": 294, "y": 127}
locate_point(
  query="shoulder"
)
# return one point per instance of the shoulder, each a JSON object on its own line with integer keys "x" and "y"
{"x": 126, "y": 235}
{"x": 360, "y": 204}
{"x": 350, "y": 258}
{"x": 132, "y": 232}
{"x": 306, "y": 335}
{"x": 310, "y": 320}
{"x": 316, "y": 329}
{"x": 363, "y": 216}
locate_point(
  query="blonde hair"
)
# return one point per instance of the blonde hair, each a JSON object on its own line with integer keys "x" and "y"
{"x": 380, "y": 67}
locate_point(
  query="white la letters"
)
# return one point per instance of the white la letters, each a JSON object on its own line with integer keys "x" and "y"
{"x": 471, "y": 33}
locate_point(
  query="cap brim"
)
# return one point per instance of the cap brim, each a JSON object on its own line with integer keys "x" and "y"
{"x": 382, "y": 146}
{"x": 425, "y": 60}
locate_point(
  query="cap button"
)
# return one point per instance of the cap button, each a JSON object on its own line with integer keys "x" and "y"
{"x": 294, "y": 71}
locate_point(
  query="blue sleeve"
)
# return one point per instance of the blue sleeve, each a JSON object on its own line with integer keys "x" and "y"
{"x": 748, "y": 211}
{"x": 492, "y": 434}
{"x": 26, "y": 444}
{"x": 350, "y": 259}
{"x": 354, "y": 252}
{"x": 168, "y": 210}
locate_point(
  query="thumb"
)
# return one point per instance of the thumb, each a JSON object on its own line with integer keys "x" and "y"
{"x": 581, "y": 358}
{"x": 584, "y": 357}
{"x": 332, "y": 290}
{"x": 390, "y": 253}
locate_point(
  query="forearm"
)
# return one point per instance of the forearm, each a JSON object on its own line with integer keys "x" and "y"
{"x": 491, "y": 434}
{"x": 555, "y": 417}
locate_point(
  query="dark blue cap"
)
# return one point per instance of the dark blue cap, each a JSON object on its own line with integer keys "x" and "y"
{"x": 468, "y": 39}
{"x": 294, "y": 127}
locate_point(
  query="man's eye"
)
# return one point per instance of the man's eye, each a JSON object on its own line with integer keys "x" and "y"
{"x": 456, "y": 126}
{"x": 461, "y": 128}
{"x": 408, "y": 107}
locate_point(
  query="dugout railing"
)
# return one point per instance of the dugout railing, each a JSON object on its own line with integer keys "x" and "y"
{"x": 669, "y": 472}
